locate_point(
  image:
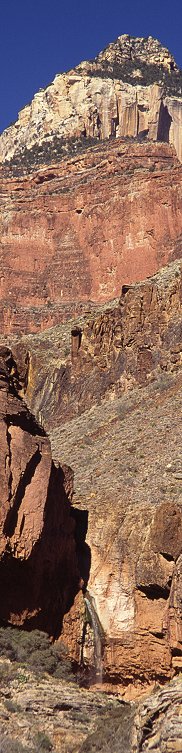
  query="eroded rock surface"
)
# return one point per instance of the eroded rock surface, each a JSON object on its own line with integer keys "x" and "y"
{"x": 118, "y": 390}
{"x": 106, "y": 352}
{"x": 77, "y": 231}
{"x": 38, "y": 567}
{"x": 35, "y": 711}
{"x": 132, "y": 88}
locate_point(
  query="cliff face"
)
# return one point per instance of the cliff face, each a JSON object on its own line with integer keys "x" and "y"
{"x": 38, "y": 566}
{"x": 131, "y": 88}
{"x": 119, "y": 393}
{"x": 76, "y": 234}
{"x": 78, "y": 230}
{"x": 128, "y": 343}
{"x": 105, "y": 207}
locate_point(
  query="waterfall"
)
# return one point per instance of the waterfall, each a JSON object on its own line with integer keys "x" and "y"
{"x": 93, "y": 619}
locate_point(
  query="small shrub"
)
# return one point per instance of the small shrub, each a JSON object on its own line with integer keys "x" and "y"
{"x": 66, "y": 351}
{"x": 11, "y": 706}
{"x": 34, "y": 650}
{"x": 42, "y": 743}
{"x": 7, "y": 673}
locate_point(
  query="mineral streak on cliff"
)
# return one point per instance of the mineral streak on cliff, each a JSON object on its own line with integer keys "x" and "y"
{"x": 132, "y": 88}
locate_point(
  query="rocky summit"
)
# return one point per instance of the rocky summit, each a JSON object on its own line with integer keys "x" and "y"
{"x": 90, "y": 401}
{"x": 133, "y": 88}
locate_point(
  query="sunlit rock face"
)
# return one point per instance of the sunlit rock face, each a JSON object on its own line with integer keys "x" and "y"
{"x": 76, "y": 231}
{"x": 120, "y": 93}
{"x": 91, "y": 185}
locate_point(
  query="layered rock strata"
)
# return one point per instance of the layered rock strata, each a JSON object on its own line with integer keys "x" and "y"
{"x": 104, "y": 353}
{"x": 78, "y": 230}
{"x": 131, "y": 88}
{"x": 38, "y": 566}
{"x": 64, "y": 716}
{"x": 119, "y": 392}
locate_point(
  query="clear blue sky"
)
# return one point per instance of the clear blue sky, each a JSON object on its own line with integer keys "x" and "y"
{"x": 40, "y": 38}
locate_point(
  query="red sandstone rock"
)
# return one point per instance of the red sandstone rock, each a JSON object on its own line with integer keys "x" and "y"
{"x": 38, "y": 567}
{"x": 112, "y": 405}
{"x": 127, "y": 343}
{"x": 79, "y": 230}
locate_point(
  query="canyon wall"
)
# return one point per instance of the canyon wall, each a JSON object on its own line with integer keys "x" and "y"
{"x": 103, "y": 354}
{"x": 38, "y": 565}
{"x": 108, "y": 389}
{"x": 76, "y": 231}
{"x": 103, "y": 378}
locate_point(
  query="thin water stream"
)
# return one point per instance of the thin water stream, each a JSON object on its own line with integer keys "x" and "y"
{"x": 98, "y": 634}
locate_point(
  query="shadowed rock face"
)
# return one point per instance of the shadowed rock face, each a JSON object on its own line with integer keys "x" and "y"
{"x": 38, "y": 568}
{"x": 75, "y": 232}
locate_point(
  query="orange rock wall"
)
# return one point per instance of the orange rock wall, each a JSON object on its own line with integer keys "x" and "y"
{"x": 79, "y": 230}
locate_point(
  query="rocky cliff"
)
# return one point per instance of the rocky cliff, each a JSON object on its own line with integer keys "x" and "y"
{"x": 90, "y": 199}
{"x": 132, "y": 88}
{"x": 109, "y": 393}
{"x": 76, "y": 231}
{"x": 38, "y": 565}
{"x": 96, "y": 355}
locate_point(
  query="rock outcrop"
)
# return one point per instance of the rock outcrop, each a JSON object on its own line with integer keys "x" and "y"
{"x": 105, "y": 353}
{"x": 132, "y": 88}
{"x": 76, "y": 231}
{"x": 112, "y": 408}
{"x": 105, "y": 382}
{"x": 53, "y": 714}
{"x": 38, "y": 566}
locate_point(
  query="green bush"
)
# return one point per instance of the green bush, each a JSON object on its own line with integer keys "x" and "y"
{"x": 35, "y": 650}
{"x": 7, "y": 673}
{"x": 42, "y": 743}
{"x": 11, "y": 706}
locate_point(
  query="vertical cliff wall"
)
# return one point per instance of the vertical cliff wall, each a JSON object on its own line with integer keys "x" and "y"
{"x": 38, "y": 565}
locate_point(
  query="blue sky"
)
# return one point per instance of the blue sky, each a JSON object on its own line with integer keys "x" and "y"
{"x": 40, "y": 38}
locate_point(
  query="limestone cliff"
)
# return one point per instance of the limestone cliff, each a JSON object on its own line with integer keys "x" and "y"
{"x": 132, "y": 88}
